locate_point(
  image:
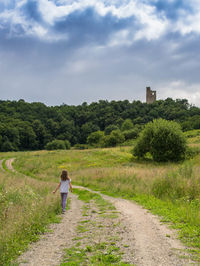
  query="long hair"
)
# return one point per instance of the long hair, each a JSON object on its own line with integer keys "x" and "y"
{"x": 64, "y": 175}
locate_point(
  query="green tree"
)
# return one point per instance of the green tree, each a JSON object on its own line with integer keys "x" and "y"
{"x": 131, "y": 134}
{"x": 110, "y": 128}
{"x": 163, "y": 139}
{"x": 40, "y": 133}
{"x": 67, "y": 144}
{"x": 95, "y": 138}
{"x": 127, "y": 125}
{"x": 116, "y": 137}
{"x": 56, "y": 145}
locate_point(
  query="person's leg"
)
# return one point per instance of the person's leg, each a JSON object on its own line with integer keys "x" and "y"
{"x": 64, "y": 201}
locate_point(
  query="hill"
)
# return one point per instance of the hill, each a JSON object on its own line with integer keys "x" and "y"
{"x": 30, "y": 126}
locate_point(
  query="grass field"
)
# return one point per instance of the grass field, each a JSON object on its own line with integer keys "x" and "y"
{"x": 171, "y": 190}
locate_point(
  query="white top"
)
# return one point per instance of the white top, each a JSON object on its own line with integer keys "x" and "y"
{"x": 64, "y": 185}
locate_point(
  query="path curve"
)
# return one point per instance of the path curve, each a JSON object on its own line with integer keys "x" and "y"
{"x": 154, "y": 243}
{"x": 9, "y": 164}
{"x": 1, "y": 165}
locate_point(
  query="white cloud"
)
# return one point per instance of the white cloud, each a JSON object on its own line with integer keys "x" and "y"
{"x": 181, "y": 90}
{"x": 151, "y": 25}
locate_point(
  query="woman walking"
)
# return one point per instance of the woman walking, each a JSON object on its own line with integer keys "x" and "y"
{"x": 64, "y": 185}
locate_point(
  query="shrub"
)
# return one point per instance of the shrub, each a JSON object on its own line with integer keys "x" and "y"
{"x": 127, "y": 125}
{"x": 67, "y": 144}
{"x": 116, "y": 137}
{"x": 80, "y": 146}
{"x": 131, "y": 134}
{"x": 110, "y": 128}
{"x": 163, "y": 139}
{"x": 95, "y": 137}
{"x": 57, "y": 145}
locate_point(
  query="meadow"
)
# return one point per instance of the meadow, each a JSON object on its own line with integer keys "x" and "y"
{"x": 171, "y": 190}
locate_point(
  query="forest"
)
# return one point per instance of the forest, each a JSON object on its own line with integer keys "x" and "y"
{"x": 32, "y": 126}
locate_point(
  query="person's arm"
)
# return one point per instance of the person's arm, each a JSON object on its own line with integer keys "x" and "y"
{"x": 70, "y": 185}
{"x": 56, "y": 188}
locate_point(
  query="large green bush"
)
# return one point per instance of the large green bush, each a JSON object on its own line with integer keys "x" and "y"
{"x": 163, "y": 139}
{"x": 95, "y": 137}
{"x": 58, "y": 145}
{"x": 116, "y": 137}
{"x": 127, "y": 125}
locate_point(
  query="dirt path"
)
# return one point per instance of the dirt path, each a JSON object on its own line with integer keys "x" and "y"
{"x": 153, "y": 243}
{"x": 49, "y": 249}
{"x": 1, "y": 166}
{"x": 9, "y": 164}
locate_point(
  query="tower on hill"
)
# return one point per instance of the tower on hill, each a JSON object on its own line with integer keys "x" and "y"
{"x": 150, "y": 95}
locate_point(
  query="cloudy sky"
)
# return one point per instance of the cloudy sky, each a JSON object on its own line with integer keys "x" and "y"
{"x": 72, "y": 51}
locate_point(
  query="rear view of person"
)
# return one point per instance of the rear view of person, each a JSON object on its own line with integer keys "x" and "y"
{"x": 64, "y": 185}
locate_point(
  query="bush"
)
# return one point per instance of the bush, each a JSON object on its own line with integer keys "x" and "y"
{"x": 131, "y": 134}
{"x": 80, "y": 146}
{"x": 163, "y": 139}
{"x": 67, "y": 144}
{"x": 116, "y": 137}
{"x": 58, "y": 145}
{"x": 127, "y": 125}
{"x": 110, "y": 128}
{"x": 95, "y": 137}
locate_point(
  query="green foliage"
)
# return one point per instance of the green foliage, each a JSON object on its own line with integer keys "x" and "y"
{"x": 127, "y": 125}
{"x": 67, "y": 144}
{"x": 110, "y": 128}
{"x": 95, "y": 138}
{"x": 7, "y": 146}
{"x": 58, "y": 145}
{"x": 131, "y": 134}
{"x": 116, "y": 137}
{"x": 30, "y": 126}
{"x": 163, "y": 139}
{"x": 80, "y": 146}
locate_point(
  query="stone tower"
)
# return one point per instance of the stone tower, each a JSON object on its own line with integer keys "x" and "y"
{"x": 150, "y": 95}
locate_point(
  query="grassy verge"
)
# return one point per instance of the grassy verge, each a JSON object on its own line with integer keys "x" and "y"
{"x": 26, "y": 208}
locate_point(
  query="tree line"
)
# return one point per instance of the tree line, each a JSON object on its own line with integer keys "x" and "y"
{"x": 34, "y": 126}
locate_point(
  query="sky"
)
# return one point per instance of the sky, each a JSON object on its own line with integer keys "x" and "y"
{"x": 65, "y": 51}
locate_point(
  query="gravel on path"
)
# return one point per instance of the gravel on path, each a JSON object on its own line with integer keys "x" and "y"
{"x": 48, "y": 251}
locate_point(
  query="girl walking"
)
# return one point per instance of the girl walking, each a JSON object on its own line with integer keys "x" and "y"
{"x": 64, "y": 185}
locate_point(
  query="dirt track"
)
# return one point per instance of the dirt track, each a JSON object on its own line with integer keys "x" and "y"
{"x": 153, "y": 243}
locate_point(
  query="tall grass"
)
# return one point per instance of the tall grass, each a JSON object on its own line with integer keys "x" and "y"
{"x": 26, "y": 207}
